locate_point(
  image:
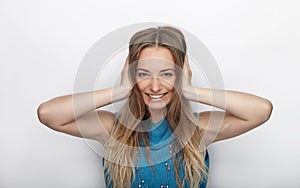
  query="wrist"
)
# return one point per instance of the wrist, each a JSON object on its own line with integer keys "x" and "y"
{"x": 190, "y": 93}
{"x": 120, "y": 93}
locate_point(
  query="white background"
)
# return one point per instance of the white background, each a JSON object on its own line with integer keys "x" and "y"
{"x": 42, "y": 43}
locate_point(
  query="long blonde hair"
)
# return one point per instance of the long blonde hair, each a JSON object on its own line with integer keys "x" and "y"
{"x": 120, "y": 147}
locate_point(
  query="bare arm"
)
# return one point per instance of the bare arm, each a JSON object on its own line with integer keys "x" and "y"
{"x": 242, "y": 111}
{"x": 59, "y": 111}
{"x": 77, "y": 115}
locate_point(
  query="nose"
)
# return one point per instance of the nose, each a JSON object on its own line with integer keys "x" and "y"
{"x": 155, "y": 84}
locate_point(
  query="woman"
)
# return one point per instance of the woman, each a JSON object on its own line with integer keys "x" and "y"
{"x": 155, "y": 140}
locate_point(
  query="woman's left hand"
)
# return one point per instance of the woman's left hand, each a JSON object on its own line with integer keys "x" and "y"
{"x": 187, "y": 87}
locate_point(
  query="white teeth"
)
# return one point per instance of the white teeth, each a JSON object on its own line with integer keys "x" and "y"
{"x": 155, "y": 96}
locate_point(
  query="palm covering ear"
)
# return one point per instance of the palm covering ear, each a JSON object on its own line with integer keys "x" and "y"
{"x": 125, "y": 74}
{"x": 187, "y": 73}
{"x": 186, "y": 78}
{"x": 125, "y": 81}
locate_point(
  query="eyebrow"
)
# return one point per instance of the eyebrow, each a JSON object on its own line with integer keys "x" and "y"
{"x": 160, "y": 71}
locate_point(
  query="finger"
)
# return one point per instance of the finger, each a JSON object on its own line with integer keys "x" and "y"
{"x": 186, "y": 59}
{"x": 187, "y": 62}
{"x": 126, "y": 62}
{"x": 186, "y": 66}
{"x": 187, "y": 69}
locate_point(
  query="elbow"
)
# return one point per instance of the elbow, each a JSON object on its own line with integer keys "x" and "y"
{"x": 267, "y": 110}
{"x": 42, "y": 114}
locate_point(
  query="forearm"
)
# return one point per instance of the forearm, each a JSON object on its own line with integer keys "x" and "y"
{"x": 242, "y": 105}
{"x": 59, "y": 111}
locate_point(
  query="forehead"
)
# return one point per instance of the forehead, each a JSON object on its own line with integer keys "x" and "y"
{"x": 156, "y": 57}
{"x": 156, "y": 52}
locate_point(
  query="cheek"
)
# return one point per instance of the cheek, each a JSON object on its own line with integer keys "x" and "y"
{"x": 170, "y": 88}
{"x": 169, "y": 84}
{"x": 141, "y": 85}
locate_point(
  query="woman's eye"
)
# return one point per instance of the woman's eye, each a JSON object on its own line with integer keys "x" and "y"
{"x": 167, "y": 74}
{"x": 142, "y": 75}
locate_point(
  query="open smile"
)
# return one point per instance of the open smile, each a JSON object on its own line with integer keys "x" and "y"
{"x": 156, "y": 96}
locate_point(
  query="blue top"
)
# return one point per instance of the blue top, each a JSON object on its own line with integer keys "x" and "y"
{"x": 161, "y": 136}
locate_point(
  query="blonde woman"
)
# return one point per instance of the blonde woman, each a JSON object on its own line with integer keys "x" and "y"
{"x": 155, "y": 140}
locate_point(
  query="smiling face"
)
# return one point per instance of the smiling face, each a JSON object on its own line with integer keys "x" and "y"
{"x": 155, "y": 76}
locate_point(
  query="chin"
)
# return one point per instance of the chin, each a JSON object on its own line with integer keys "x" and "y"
{"x": 156, "y": 106}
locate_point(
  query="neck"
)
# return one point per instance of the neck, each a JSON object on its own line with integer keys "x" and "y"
{"x": 157, "y": 114}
